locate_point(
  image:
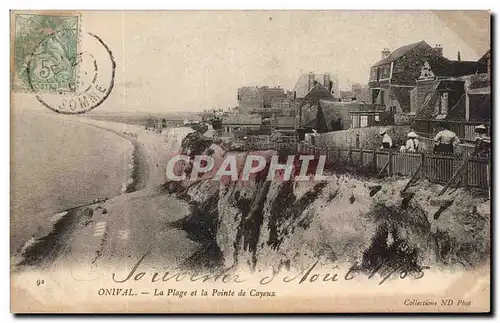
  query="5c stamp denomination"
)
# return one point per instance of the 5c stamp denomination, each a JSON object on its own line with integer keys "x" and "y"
{"x": 45, "y": 52}
{"x": 67, "y": 70}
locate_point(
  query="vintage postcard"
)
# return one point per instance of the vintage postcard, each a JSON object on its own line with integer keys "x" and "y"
{"x": 250, "y": 161}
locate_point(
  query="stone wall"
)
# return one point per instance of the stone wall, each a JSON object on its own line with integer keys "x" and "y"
{"x": 368, "y": 137}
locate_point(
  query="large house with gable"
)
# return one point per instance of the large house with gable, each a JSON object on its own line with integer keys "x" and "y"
{"x": 462, "y": 101}
{"x": 393, "y": 77}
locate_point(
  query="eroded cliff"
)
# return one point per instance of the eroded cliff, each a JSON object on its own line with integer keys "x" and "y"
{"x": 259, "y": 224}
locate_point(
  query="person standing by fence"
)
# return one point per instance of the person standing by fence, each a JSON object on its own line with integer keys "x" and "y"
{"x": 412, "y": 144}
{"x": 482, "y": 142}
{"x": 386, "y": 139}
{"x": 445, "y": 140}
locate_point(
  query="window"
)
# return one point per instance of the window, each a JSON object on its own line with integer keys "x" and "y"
{"x": 364, "y": 121}
{"x": 443, "y": 103}
{"x": 373, "y": 74}
{"x": 385, "y": 72}
{"x": 355, "y": 121}
{"x": 375, "y": 93}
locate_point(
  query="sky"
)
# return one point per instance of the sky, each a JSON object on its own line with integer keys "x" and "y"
{"x": 194, "y": 60}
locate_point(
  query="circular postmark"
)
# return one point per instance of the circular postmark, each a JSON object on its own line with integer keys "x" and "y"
{"x": 89, "y": 78}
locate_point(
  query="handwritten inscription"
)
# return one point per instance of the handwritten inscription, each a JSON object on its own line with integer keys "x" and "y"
{"x": 310, "y": 275}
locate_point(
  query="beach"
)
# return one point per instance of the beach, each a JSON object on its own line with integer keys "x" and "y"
{"x": 112, "y": 231}
{"x": 58, "y": 164}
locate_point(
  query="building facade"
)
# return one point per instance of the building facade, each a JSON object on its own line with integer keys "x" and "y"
{"x": 392, "y": 79}
{"x": 463, "y": 102}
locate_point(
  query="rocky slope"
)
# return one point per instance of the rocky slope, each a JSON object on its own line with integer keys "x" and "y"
{"x": 288, "y": 224}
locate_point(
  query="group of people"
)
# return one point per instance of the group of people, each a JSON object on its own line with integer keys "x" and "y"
{"x": 411, "y": 145}
{"x": 444, "y": 142}
{"x": 131, "y": 134}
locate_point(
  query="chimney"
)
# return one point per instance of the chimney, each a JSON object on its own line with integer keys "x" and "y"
{"x": 311, "y": 80}
{"x": 326, "y": 80}
{"x": 439, "y": 49}
{"x": 385, "y": 52}
{"x": 458, "y": 56}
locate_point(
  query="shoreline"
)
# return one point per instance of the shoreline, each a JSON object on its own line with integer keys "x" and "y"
{"x": 105, "y": 126}
{"x": 134, "y": 157}
{"x": 137, "y": 176}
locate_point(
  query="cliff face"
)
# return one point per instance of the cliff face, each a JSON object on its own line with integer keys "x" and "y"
{"x": 257, "y": 224}
{"x": 291, "y": 224}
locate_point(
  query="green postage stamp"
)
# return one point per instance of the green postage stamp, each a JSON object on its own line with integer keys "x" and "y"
{"x": 45, "y": 53}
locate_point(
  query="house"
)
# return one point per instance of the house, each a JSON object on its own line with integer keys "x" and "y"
{"x": 283, "y": 107}
{"x": 309, "y": 90}
{"x": 335, "y": 116}
{"x": 207, "y": 115}
{"x": 150, "y": 123}
{"x": 241, "y": 122}
{"x": 392, "y": 79}
{"x": 307, "y": 82}
{"x": 364, "y": 115}
{"x": 249, "y": 99}
{"x": 346, "y": 96}
{"x": 463, "y": 102}
{"x": 161, "y": 123}
{"x": 485, "y": 63}
{"x": 284, "y": 125}
{"x": 316, "y": 93}
{"x": 269, "y": 94}
{"x": 258, "y": 99}
{"x": 432, "y": 72}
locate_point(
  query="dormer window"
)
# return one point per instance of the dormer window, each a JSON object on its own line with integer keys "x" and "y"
{"x": 385, "y": 72}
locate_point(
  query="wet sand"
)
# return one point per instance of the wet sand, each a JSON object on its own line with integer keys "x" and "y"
{"x": 122, "y": 229}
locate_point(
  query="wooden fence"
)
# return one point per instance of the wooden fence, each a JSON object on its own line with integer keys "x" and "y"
{"x": 464, "y": 170}
{"x": 465, "y": 130}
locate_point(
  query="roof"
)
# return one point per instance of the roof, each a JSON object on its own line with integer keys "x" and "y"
{"x": 319, "y": 92}
{"x": 284, "y": 122}
{"x": 271, "y": 93}
{"x": 333, "y": 111}
{"x": 479, "y": 81}
{"x": 402, "y": 94}
{"x": 364, "y": 96}
{"x": 302, "y": 86}
{"x": 444, "y": 67}
{"x": 485, "y": 57}
{"x": 400, "y": 52}
{"x": 426, "y": 110}
{"x": 243, "y": 119}
{"x": 346, "y": 95}
{"x": 251, "y": 94}
{"x": 242, "y": 90}
{"x": 268, "y": 94}
{"x": 365, "y": 108}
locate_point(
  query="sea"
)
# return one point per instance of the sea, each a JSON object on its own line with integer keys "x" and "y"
{"x": 57, "y": 164}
